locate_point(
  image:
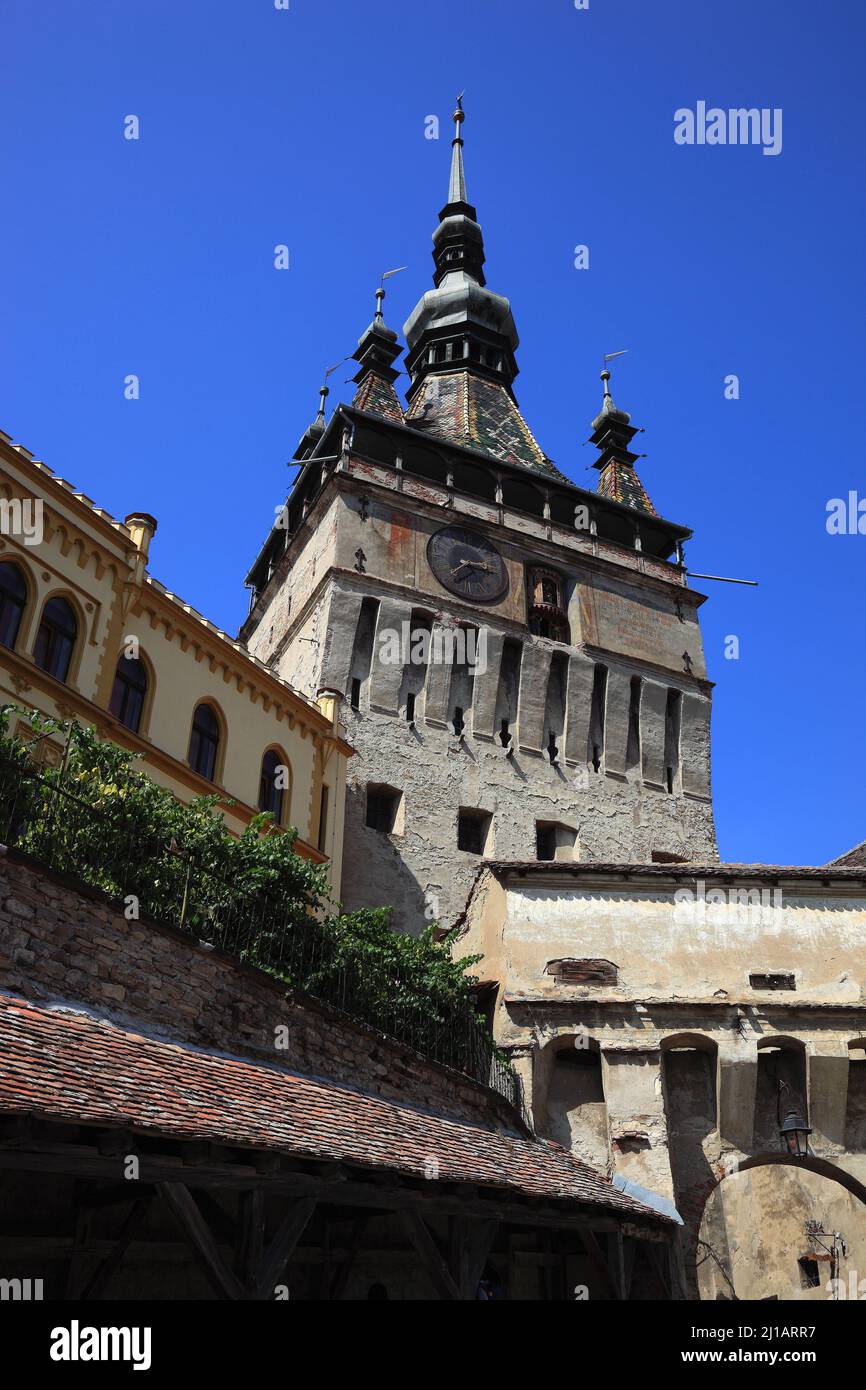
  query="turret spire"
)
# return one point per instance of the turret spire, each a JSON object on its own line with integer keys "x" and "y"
{"x": 612, "y": 435}
{"x": 316, "y": 428}
{"x": 376, "y": 350}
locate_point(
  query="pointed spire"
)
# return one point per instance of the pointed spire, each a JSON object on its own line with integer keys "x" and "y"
{"x": 612, "y": 435}
{"x": 457, "y": 184}
{"x": 314, "y": 431}
{"x": 457, "y": 241}
{"x": 376, "y": 350}
{"x": 460, "y": 325}
{"x": 608, "y": 408}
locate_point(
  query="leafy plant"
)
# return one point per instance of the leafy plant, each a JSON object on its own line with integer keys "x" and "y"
{"x": 95, "y": 816}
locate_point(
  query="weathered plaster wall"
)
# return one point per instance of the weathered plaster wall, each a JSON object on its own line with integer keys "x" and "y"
{"x": 758, "y": 1227}
{"x": 690, "y": 1052}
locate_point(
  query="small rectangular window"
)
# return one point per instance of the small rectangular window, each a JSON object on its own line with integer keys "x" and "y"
{"x": 551, "y": 836}
{"x": 355, "y": 697}
{"x": 772, "y": 980}
{"x": 382, "y": 806}
{"x": 545, "y": 842}
{"x": 323, "y": 821}
{"x": 472, "y": 831}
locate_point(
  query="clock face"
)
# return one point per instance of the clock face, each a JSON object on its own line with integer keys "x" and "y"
{"x": 467, "y": 564}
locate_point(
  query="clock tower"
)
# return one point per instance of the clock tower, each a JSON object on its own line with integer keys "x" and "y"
{"x": 518, "y": 659}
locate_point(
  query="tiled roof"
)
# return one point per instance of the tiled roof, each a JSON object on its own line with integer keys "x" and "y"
{"x": 621, "y": 484}
{"x": 65, "y": 1064}
{"x": 479, "y": 414}
{"x": 853, "y": 859}
{"x": 378, "y": 396}
{"x": 835, "y": 872}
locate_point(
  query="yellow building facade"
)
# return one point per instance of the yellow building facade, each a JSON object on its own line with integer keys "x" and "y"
{"x": 86, "y": 633}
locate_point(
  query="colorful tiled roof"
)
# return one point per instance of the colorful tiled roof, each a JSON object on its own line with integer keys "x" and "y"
{"x": 621, "y": 484}
{"x": 378, "y": 396}
{"x": 479, "y": 414}
{"x": 65, "y": 1064}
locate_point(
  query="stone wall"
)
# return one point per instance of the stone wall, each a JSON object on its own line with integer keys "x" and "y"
{"x": 61, "y": 941}
{"x": 627, "y": 613}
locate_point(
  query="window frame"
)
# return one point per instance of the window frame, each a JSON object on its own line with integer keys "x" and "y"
{"x": 285, "y": 793}
{"x": 13, "y": 564}
{"x": 215, "y": 776}
{"x": 146, "y": 694}
{"x": 71, "y": 668}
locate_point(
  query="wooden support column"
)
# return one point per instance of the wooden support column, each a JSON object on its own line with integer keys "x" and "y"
{"x": 281, "y": 1248}
{"x": 78, "y": 1252}
{"x": 134, "y": 1223}
{"x": 250, "y": 1241}
{"x": 615, "y": 1241}
{"x": 341, "y": 1278}
{"x": 599, "y": 1263}
{"x": 428, "y": 1253}
{"x": 198, "y": 1235}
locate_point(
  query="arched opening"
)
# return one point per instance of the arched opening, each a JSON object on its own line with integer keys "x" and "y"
{"x": 55, "y": 640}
{"x": 783, "y": 1228}
{"x": 575, "y": 1110}
{"x": 129, "y": 692}
{"x": 855, "y": 1107}
{"x": 204, "y": 741}
{"x": 13, "y": 601}
{"x": 275, "y": 784}
{"x": 781, "y": 1087}
{"x": 689, "y": 1088}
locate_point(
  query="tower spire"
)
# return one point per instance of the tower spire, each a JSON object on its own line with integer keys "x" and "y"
{"x": 457, "y": 183}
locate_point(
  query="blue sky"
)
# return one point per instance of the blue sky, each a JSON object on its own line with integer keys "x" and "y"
{"x": 306, "y": 127}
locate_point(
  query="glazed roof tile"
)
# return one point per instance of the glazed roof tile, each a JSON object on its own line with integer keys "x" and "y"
{"x": 479, "y": 414}
{"x": 378, "y": 397}
{"x": 622, "y": 484}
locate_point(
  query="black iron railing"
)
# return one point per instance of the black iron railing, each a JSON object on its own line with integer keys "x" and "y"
{"x": 104, "y": 846}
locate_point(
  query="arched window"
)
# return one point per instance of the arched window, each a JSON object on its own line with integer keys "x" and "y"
{"x": 204, "y": 741}
{"x": 782, "y": 1086}
{"x": 55, "y": 640}
{"x": 13, "y": 598}
{"x": 273, "y": 784}
{"x": 129, "y": 692}
{"x": 575, "y": 1112}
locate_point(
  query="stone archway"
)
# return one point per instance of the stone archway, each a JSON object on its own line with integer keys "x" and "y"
{"x": 783, "y": 1228}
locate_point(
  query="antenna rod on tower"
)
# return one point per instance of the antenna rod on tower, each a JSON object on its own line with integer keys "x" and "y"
{"x": 722, "y": 578}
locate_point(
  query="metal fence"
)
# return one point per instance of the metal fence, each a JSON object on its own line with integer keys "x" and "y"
{"x": 106, "y": 846}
